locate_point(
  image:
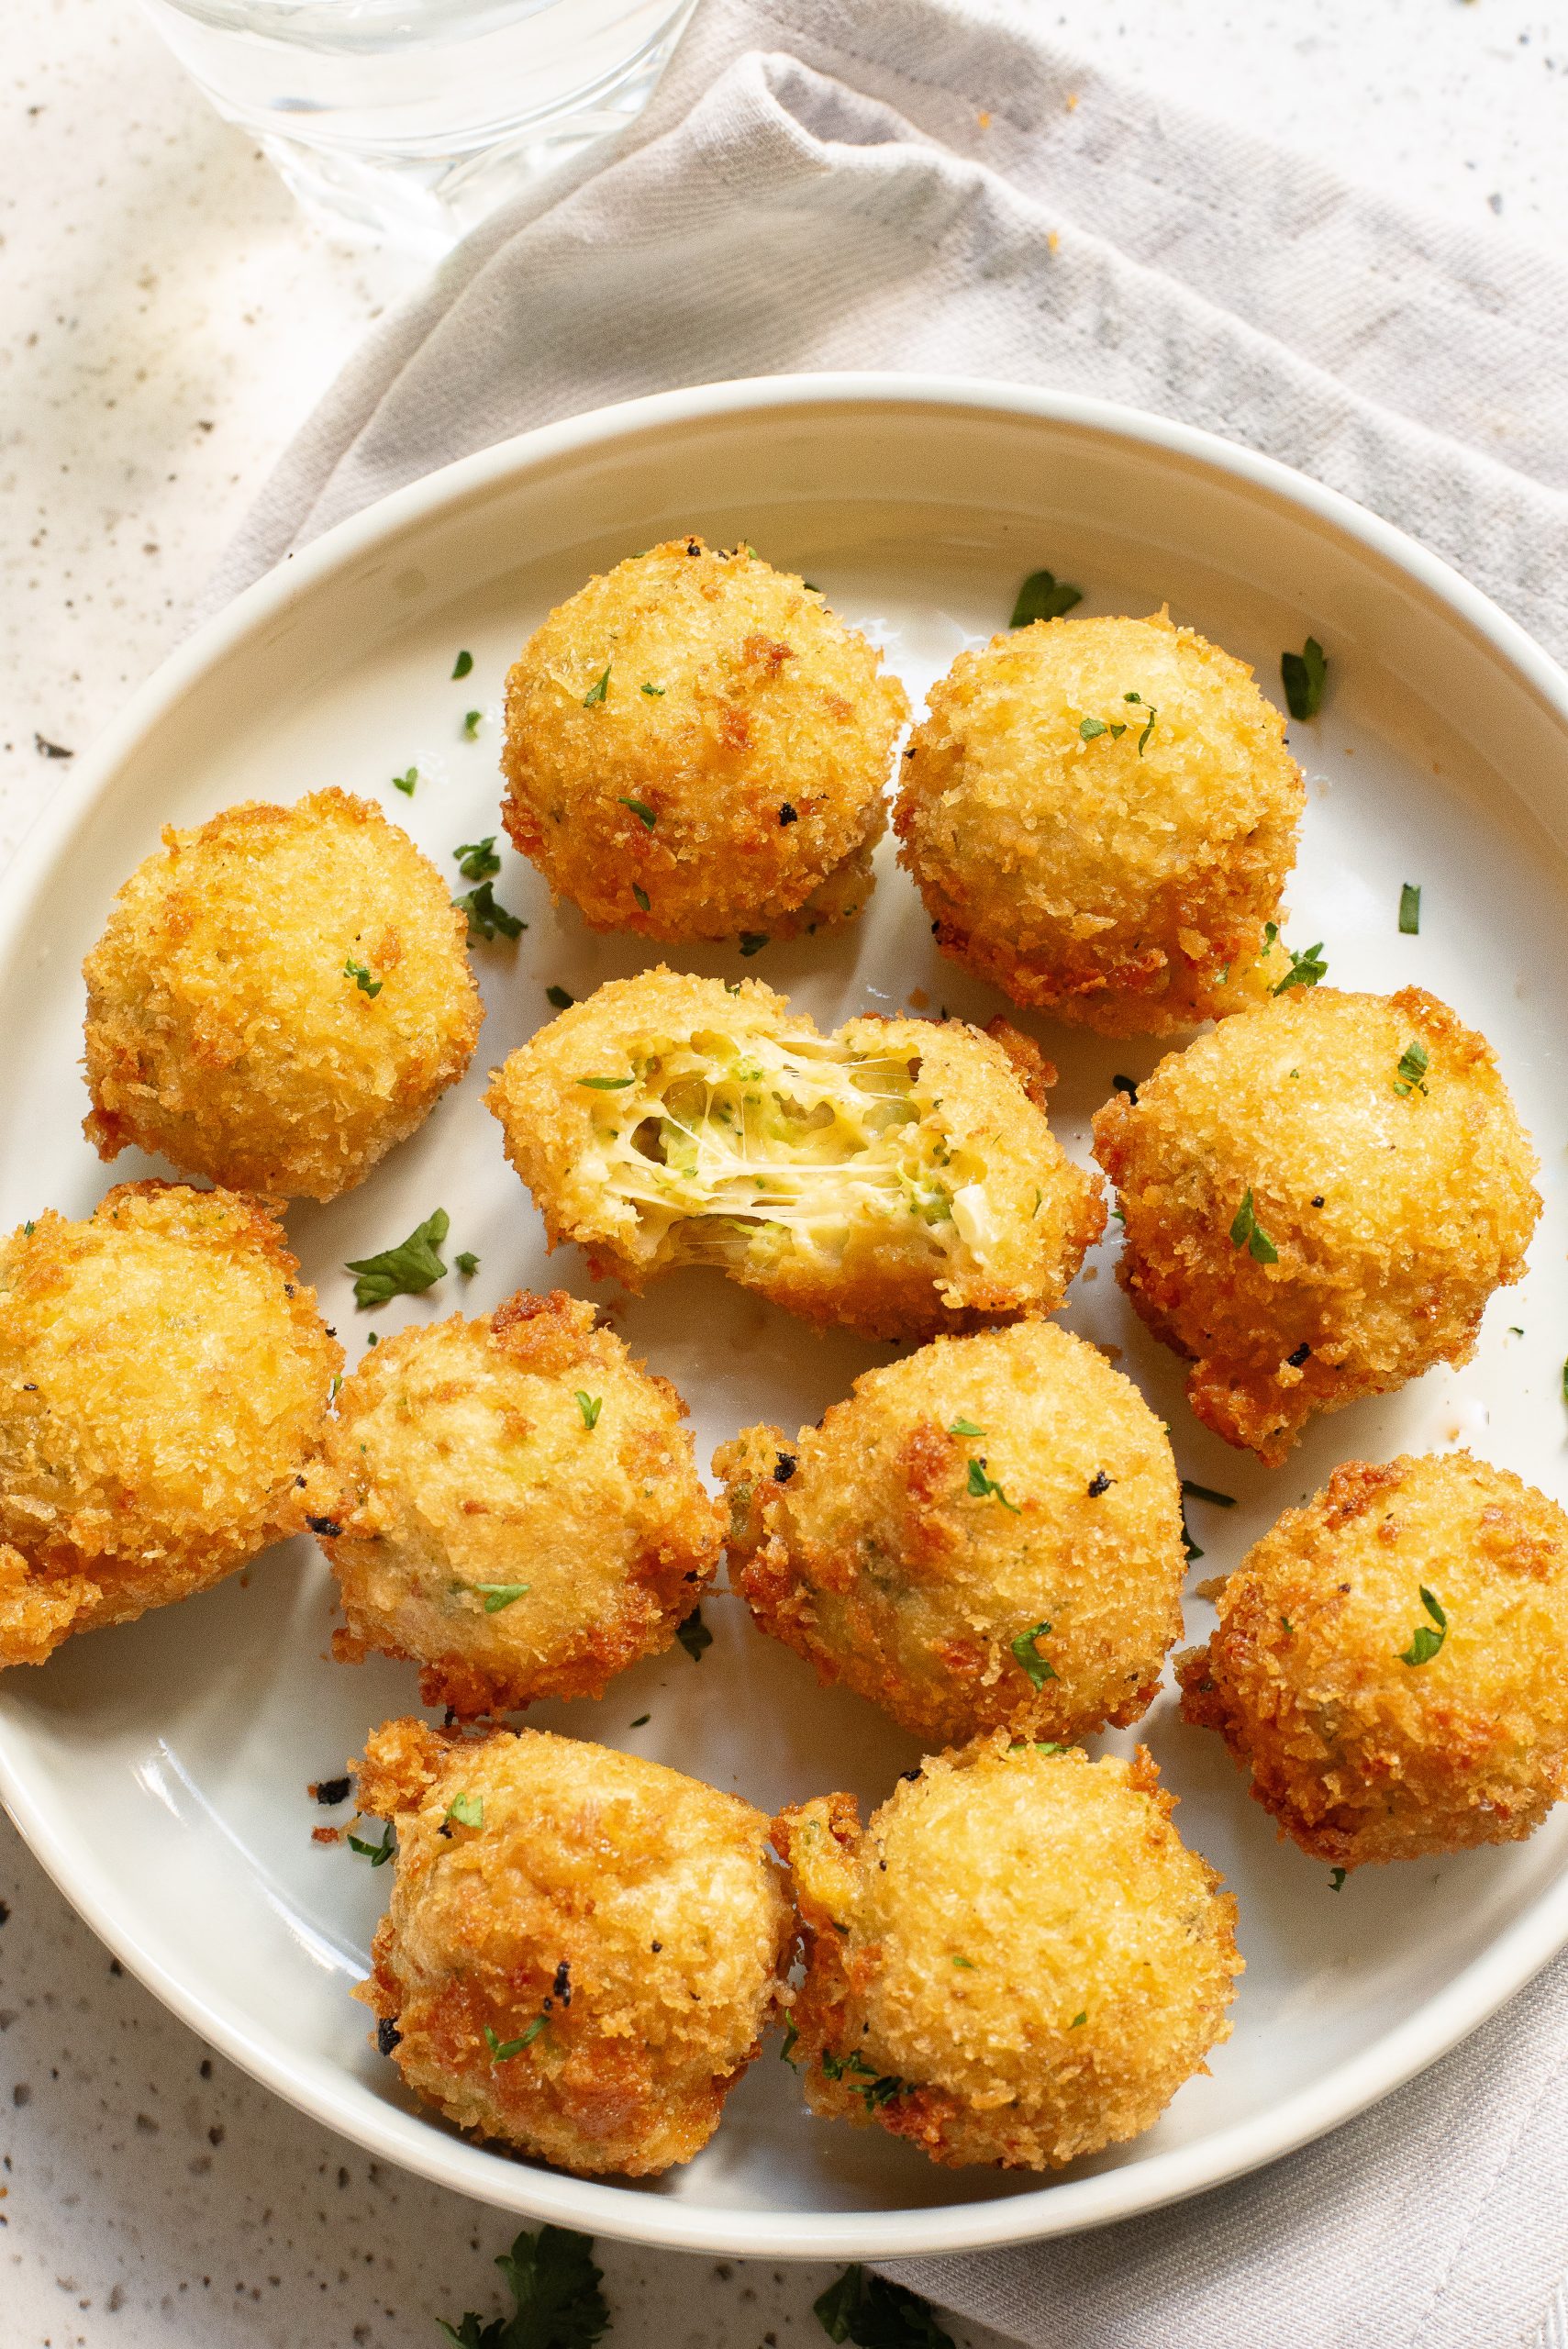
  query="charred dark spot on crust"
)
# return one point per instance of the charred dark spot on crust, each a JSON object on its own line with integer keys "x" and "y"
{"x": 288, "y": 1289}
{"x": 445, "y": 1829}
{"x": 1098, "y": 1483}
{"x": 787, "y": 814}
{"x": 1317, "y": 1200}
{"x": 328, "y": 1526}
{"x": 785, "y": 1468}
{"x": 908, "y": 1774}
{"x": 1299, "y": 1356}
{"x": 331, "y": 1790}
{"x": 562, "y": 1987}
{"x": 387, "y": 2035}
{"x": 656, "y": 1947}
{"x": 1125, "y": 1085}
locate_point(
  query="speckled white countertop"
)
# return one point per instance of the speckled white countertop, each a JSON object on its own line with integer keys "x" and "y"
{"x": 166, "y": 319}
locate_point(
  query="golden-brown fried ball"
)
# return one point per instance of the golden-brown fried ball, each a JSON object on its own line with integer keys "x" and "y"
{"x": 1018, "y": 1962}
{"x": 1387, "y": 1661}
{"x": 583, "y": 1949}
{"x": 279, "y": 995}
{"x": 986, "y": 1534}
{"x": 898, "y": 1177}
{"x": 513, "y": 1504}
{"x": 1100, "y": 815}
{"x": 1318, "y": 1199}
{"x": 164, "y": 1372}
{"x": 696, "y": 747}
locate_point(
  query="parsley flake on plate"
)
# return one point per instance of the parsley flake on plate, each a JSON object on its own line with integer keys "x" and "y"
{"x": 376, "y": 1853}
{"x": 404, "y": 1271}
{"x": 477, "y": 860}
{"x": 555, "y": 2286}
{"x": 1337, "y": 1880}
{"x": 362, "y": 979}
{"x": 471, "y": 718}
{"x": 1207, "y": 1493}
{"x": 694, "y": 1635}
{"x": 404, "y": 782}
{"x": 1028, "y": 1657}
{"x": 753, "y": 941}
{"x": 1410, "y": 910}
{"x": 463, "y": 664}
{"x": 1425, "y": 1641}
{"x": 1247, "y": 1232}
{"x": 484, "y": 917}
{"x": 1043, "y": 597}
{"x": 1304, "y": 675}
{"x": 871, "y": 2313}
{"x": 467, "y": 1263}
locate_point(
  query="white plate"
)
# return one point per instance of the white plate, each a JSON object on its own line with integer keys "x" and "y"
{"x": 159, "y": 1771}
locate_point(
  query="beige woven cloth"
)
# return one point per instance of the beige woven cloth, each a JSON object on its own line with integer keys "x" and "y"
{"x": 903, "y": 184}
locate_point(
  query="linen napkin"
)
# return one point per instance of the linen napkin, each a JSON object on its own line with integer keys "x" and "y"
{"x": 929, "y": 183}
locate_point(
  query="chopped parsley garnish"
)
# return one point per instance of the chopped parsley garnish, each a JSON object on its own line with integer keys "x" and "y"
{"x": 467, "y": 1809}
{"x": 599, "y": 691}
{"x": 872, "y": 2313}
{"x": 1025, "y": 1654}
{"x": 1425, "y": 1641}
{"x": 559, "y": 998}
{"x": 640, "y": 894}
{"x": 1410, "y": 910}
{"x": 471, "y": 724}
{"x": 503, "y": 2050}
{"x": 502, "y": 1594}
{"x": 1337, "y": 1877}
{"x": 642, "y": 1720}
{"x": 555, "y": 2284}
{"x": 28, "y": 1229}
{"x": 404, "y": 1271}
{"x": 1564, "y": 1377}
{"x": 484, "y": 917}
{"x": 1287, "y": 1626}
{"x": 362, "y": 979}
{"x": 1206, "y": 1493}
{"x": 1092, "y": 727}
{"x": 1304, "y": 675}
{"x": 965, "y": 1427}
{"x": 639, "y": 807}
{"x": 376, "y": 1853}
{"x": 606, "y": 1083}
{"x": 1247, "y": 1232}
{"x": 590, "y": 1406}
{"x": 654, "y": 693}
{"x": 1306, "y": 968}
{"x": 791, "y": 2034}
{"x": 873, "y": 2089}
{"x": 477, "y": 860}
{"x": 404, "y": 782}
{"x": 467, "y": 1263}
{"x": 1079, "y": 2019}
{"x": 986, "y": 1487}
{"x": 1043, "y": 597}
{"x": 463, "y": 664}
{"x": 1410, "y": 1074}
{"x": 967, "y": 1964}
{"x": 753, "y": 941}
{"x": 694, "y": 1635}
{"x": 1149, "y": 730}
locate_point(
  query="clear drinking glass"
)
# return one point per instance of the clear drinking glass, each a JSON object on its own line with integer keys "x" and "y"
{"x": 406, "y": 121}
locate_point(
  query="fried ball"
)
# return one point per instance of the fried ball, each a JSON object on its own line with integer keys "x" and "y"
{"x": 1387, "y": 1661}
{"x": 898, "y": 1177}
{"x": 583, "y": 1948}
{"x": 1319, "y": 1198}
{"x": 164, "y": 1372}
{"x": 513, "y": 1505}
{"x": 696, "y": 747}
{"x": 280, "y": 997}
{"x": 1100, "y": 815}
{"x": 987, "y": 1534}
{"x": 1018, "y": 1962}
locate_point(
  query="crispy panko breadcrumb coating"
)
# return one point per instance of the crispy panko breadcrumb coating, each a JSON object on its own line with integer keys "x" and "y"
{"x": 1318, "y": 1199}
{"x": 1389, "y": 1661}
{"x": 1018, "y": 1962}
{"x": 1100, "y": 815}
{"x": 898, "y": 1177}
{"x": 987, "y": 1533}
{"x": 164, "y": 1372}
{"x": 514, "y": 1505}
{"x": 279, "y": 995}
{"x": 696, "y": 747}
{"x": 583, "y": 1948}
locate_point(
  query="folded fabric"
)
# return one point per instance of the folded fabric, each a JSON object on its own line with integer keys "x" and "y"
{"x": 925, "y": 185}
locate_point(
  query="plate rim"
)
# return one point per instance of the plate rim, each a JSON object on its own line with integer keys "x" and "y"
{"x": 605, "y": 2206}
